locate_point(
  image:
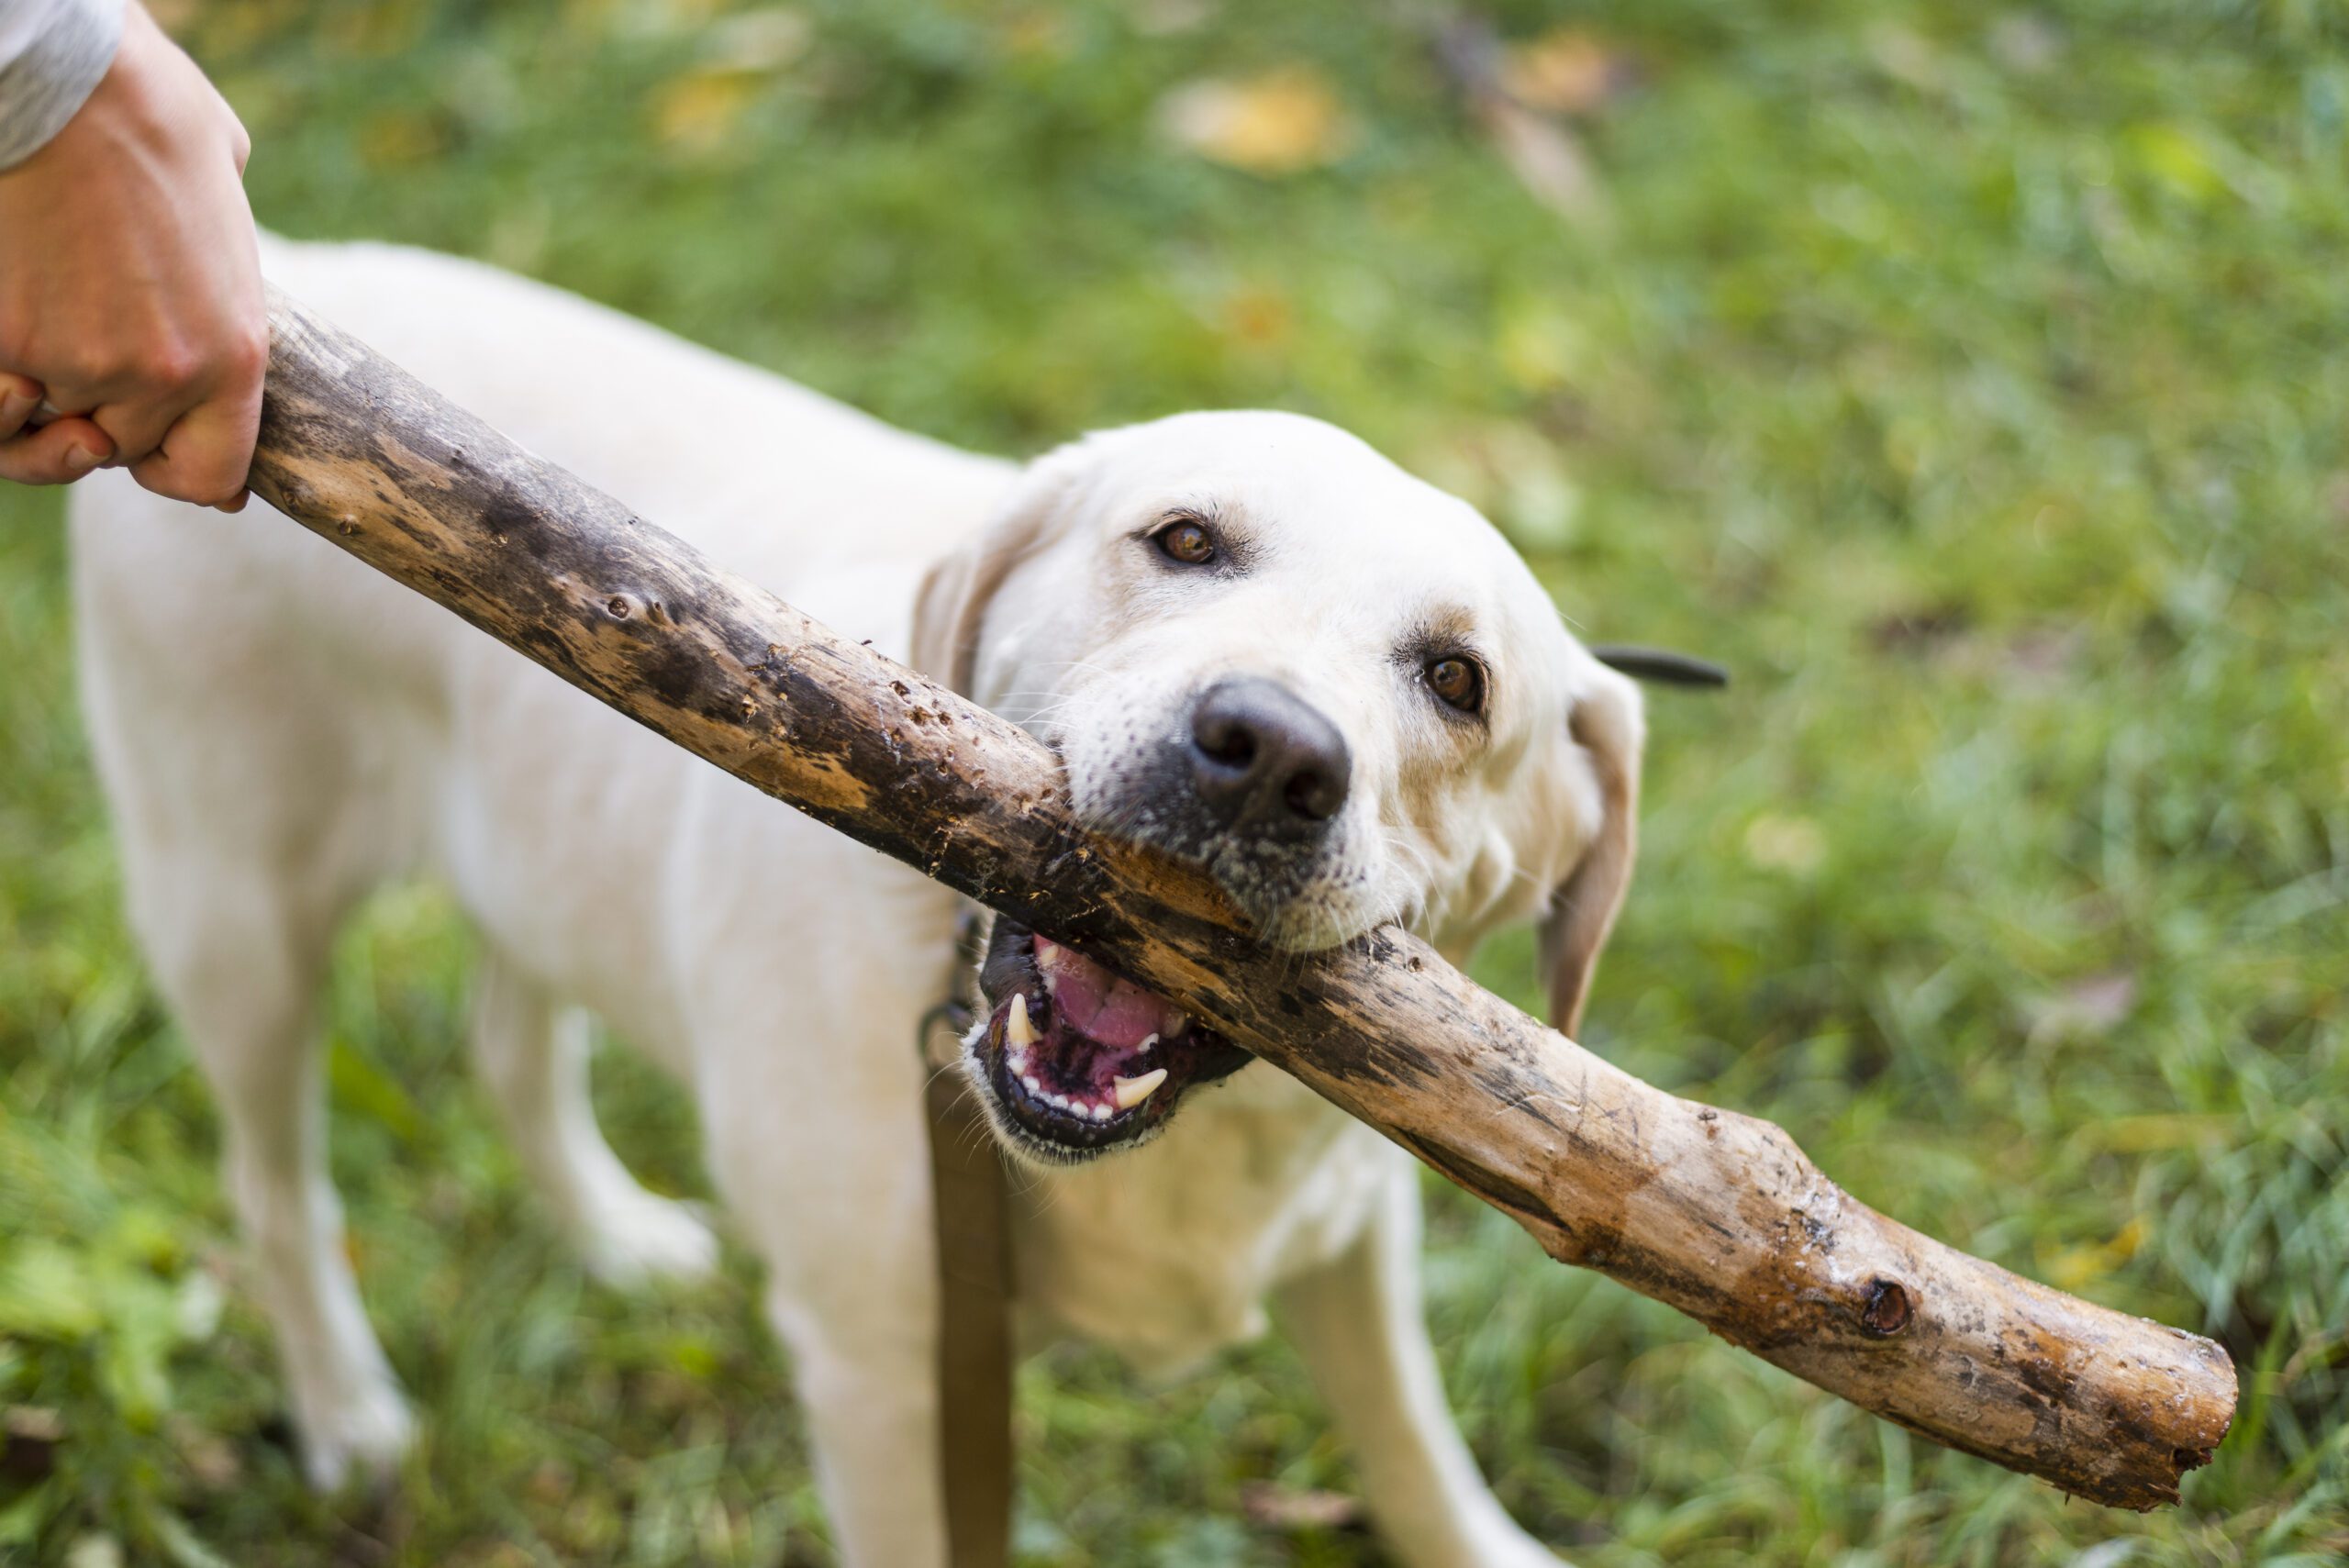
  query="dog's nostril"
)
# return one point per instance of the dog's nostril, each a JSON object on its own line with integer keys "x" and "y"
{"x": 1316, "y": 796}
{"x": 1226, "y": 741}
{"x": 1262, "y": 757}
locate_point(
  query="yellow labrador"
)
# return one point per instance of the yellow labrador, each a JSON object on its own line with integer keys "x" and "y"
{"x": 1255, "y": 642}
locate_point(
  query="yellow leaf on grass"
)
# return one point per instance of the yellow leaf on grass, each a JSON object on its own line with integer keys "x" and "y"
{"x": 697, "y": 113}
{"x": 1567, "y": 70}
{"x": 2076, "y": 1268}
{"x": 1258, "y": 317}
{"x": 401, "y": 138}
{"x": 2159, "y": 1131}
{"x": 1281, "y": 122}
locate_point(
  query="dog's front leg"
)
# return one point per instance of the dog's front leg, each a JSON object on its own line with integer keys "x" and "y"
{"x": 826, "y": 1176}
{"x": 1356, "y": 1321}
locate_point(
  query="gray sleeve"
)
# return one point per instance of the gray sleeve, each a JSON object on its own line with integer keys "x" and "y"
{"x": 52, "y": 53}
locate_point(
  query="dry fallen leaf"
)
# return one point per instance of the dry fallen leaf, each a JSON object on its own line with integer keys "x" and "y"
{"x": 1567, "y": 70}
{"x": 1270, "y": 1506}
{"x": 1517, "y": 95}
{"x": 1168, "y": 18}
{"x": 1546, "y": 158}
{"x": 1281, "y": 122}
{"x": 2088, "y": 1008}
{"x": 764, "y": 40}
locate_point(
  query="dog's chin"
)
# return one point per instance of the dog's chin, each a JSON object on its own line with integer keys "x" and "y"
{"x": 1072, "y": 1061}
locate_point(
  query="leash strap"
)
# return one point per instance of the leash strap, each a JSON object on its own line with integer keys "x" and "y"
{"x": 972, "y": 1204}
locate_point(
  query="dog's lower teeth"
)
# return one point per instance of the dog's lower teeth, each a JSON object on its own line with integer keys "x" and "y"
{"x": 1034, "y": 1087}
{"x": 1132, "y": 1092}
{"x": 1100, "y": 1113}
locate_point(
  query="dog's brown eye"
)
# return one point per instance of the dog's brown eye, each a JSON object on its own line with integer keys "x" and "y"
{"x": 1188, "y": 543}
{"x": 1458, "y": 682}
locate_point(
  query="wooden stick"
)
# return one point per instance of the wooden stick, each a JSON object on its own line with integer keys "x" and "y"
{"x": 1718, "y": 1214}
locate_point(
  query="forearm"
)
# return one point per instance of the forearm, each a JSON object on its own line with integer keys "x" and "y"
{"x": 52, "y": 53}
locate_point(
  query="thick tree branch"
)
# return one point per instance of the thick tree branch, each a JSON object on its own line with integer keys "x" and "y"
{"x": 1717, "y": 1214}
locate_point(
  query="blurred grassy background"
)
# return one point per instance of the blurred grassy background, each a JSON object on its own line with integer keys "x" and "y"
{"x": 1970, "y": 379}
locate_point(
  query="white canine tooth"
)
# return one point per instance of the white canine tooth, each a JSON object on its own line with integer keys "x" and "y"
{"x": 1100, "y": 1111}
{"x": 1147, "y": 1042}
{"x": 1033, "y": 1086}
{"x": 1132, "y": 1092}
{"x": 1017, "y": 1030}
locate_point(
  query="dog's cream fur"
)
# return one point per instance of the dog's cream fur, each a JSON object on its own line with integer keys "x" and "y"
{"x": 281, "y": 730}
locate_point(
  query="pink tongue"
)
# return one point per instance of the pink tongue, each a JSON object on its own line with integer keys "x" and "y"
{"x": 1091, "y": 1001}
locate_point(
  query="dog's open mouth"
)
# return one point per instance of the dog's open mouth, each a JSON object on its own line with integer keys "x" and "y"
{"x": 1078, "y": 1060}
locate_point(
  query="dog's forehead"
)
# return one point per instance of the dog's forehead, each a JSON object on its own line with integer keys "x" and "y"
{"x": 1305, "y": 494}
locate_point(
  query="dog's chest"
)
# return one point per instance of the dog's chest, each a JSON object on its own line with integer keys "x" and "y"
{"x": 1166, "y": 1253}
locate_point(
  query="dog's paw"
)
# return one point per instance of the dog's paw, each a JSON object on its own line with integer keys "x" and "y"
{"x": 646, "y": 1241}
{"x": 360, "y": 1438}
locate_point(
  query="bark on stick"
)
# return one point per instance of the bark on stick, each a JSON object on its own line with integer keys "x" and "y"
{"x": 1718, "y": 1214}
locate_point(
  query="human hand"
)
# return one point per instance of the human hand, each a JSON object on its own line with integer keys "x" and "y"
{"x": 130, "y": 294}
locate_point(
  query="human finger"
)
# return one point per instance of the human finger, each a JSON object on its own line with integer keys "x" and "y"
{"x": 205, "y": 456}
{"x": 20, "y": 397}
{"x": 57, "y": 453}
{"x": 136, "y": 424}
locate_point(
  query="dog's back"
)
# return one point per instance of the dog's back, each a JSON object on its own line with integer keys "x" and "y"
{"x": 255, "y": 696}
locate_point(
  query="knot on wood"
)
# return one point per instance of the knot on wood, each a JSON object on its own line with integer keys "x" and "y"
{"x": 1888, "y": 1311}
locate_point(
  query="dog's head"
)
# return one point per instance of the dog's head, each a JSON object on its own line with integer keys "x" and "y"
{"x": 1258, "y": 645}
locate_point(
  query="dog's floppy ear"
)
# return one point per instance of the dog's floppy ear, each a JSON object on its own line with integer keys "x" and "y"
{"x": 951, "y": 603}
{"x": 947, "y": 611}
{"x": 1608, "y": 725}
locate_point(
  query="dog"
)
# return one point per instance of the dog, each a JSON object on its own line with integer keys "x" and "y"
{"x": 1252, "y": 641}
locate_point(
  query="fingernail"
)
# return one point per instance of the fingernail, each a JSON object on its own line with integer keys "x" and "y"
{"x": 80, "y": 460}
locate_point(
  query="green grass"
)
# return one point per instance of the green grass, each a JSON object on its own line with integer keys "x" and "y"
{"x": 1970, "y": 381}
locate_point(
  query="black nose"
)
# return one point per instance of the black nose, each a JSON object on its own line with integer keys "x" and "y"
{"x": 1264, "y": 758}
